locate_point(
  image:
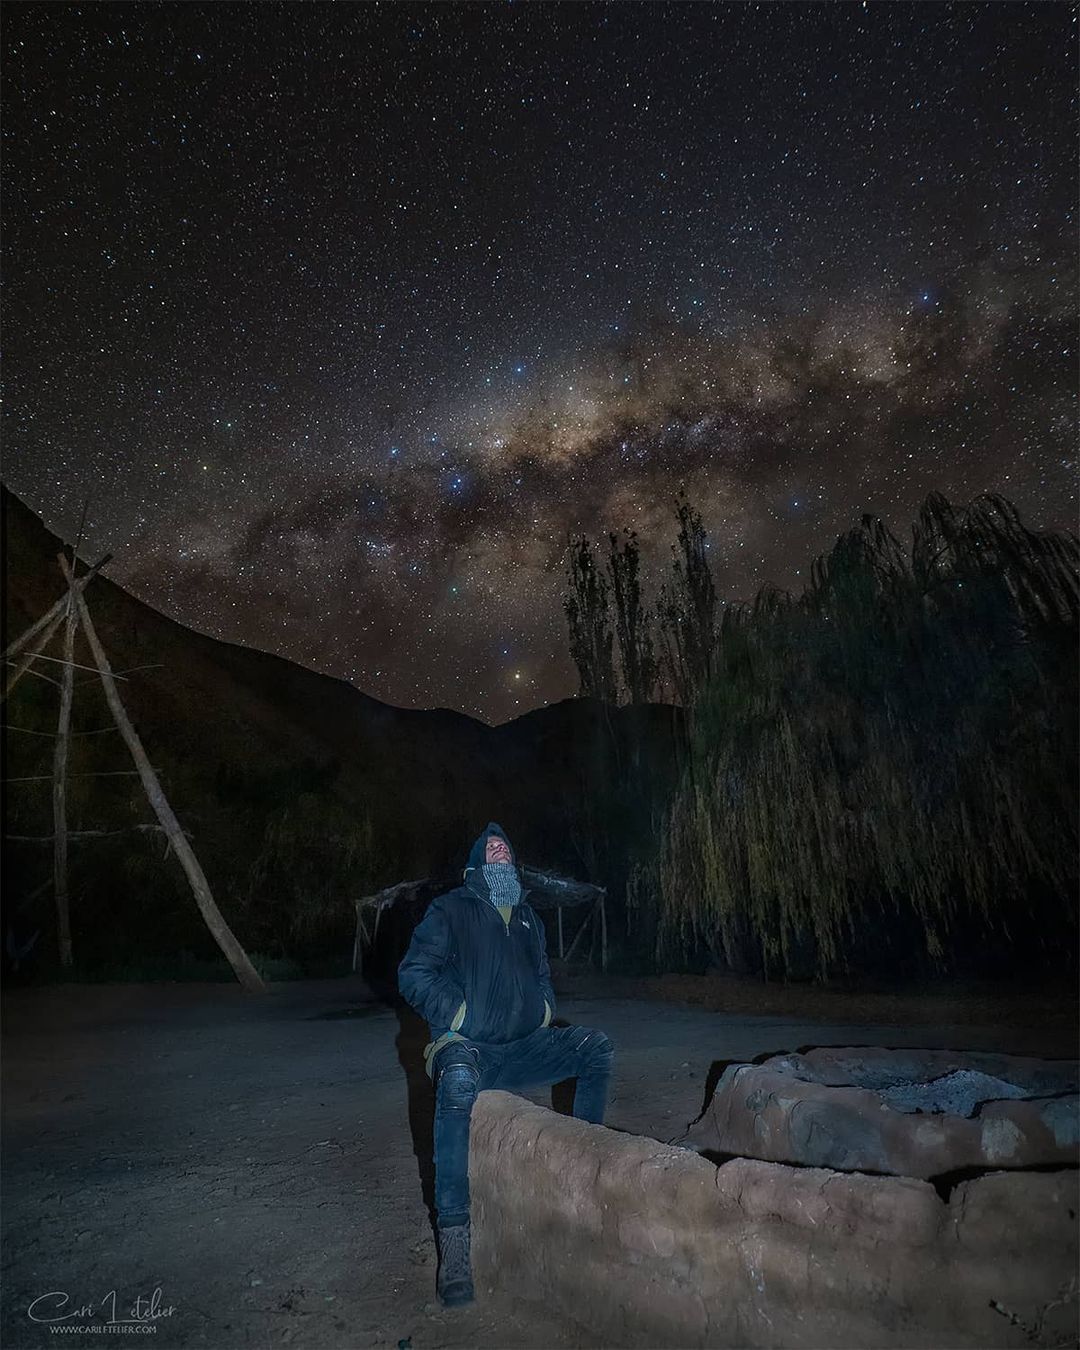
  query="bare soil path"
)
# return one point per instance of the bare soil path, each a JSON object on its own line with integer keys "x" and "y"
{"x": 265, "y": 1162}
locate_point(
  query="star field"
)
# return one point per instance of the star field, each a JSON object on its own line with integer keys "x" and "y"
{"x": 342, "y": 316}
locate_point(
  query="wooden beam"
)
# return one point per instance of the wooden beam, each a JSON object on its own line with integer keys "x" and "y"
{"x": 577, "y": 936}
{"x": 62, "y": 661}
{"x": 30, "y": 731}
{"x": 28, "y": 669}
{"x": 59, "y": 792}
{"x": 85, "y": 834}
{"x": 43, "y": 640}
{"x": 57, "y": 612}
{"x": 603, "y": 935}
{"x": 559, "y": 911}
{"x": 223, "y": 935}
{"x": 46, "y": 777}
{"x": 358, "y": 947}
{"x": 356, "y": 943}
{"x": 390, "y": 894}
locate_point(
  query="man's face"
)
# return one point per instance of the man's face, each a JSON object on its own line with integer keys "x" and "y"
{"x": 498, "y": 850}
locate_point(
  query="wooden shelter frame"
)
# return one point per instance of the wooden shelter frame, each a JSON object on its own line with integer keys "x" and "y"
{"x": 373, "y": 905}
{"x": 71, "y": 612}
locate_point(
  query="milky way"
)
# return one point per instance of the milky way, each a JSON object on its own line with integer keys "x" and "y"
{"x": 343, "y": 316}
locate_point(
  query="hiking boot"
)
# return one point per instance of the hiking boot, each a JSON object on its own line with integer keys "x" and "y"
{"x": 454, "y": 1281}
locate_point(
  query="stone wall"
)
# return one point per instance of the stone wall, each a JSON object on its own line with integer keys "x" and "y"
{"x": 646, "y": 1244}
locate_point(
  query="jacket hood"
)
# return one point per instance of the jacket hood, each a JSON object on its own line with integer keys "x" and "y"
{"x": 478, "y": 852}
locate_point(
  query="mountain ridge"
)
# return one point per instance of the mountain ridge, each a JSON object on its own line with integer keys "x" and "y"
{"x": 249, "y": 741}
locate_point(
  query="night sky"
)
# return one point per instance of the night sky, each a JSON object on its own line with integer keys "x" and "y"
{"x": 343, "y": 315}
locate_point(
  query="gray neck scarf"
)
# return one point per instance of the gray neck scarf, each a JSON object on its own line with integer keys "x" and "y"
{"x": 504, "y": 885}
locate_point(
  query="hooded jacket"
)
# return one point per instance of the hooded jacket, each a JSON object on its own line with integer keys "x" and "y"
{"x": 473, "y": 973}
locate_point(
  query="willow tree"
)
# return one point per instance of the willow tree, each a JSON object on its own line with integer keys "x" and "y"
{"x": 897, "y": 746}
{"x": 633, "y": 621}
{"x": 688, "y": 609}
{"x": 588, "y": 613}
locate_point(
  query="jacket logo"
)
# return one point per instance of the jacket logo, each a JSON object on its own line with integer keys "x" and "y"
{"x": 526, "y": 923}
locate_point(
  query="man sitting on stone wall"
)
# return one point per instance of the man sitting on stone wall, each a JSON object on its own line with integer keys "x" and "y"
{"x": 477, "y": 970}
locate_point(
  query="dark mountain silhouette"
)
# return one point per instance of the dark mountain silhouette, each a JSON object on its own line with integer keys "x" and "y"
{"x": 299, "y": 790}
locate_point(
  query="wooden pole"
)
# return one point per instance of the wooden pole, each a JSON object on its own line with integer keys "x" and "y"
{"x": 577, "y": 936}
{"x": 223, "y": 935}
{"x": 28, "y": 660}
{"x": 559, "y": 911}
{"x": 60, "y": 758}
{"x": 603, "y": 935}
{"x": 358, "y": 946}
{"x": 85, "y": 834}
{"x": 57, "y": 612}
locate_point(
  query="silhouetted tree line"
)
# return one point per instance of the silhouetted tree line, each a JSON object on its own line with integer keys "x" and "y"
{"x": 625, "y": 652}
{"x": 878, "y": 774}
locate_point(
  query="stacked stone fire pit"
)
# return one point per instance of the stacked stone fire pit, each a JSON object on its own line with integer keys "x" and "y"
{"x": 934, "y": 1114}
{"x": 850, "y": 1197}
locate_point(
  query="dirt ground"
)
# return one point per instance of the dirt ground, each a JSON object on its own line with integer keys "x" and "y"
{"x": 265, "y": 1162}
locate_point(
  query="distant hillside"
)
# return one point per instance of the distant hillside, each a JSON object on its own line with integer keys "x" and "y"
{"x": 298, "y": 789}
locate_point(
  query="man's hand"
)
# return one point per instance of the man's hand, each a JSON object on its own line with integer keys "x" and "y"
{"x": 427, "y": 980}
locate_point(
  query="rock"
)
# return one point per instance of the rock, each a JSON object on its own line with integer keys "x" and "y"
{"x": 905, "y": 1113}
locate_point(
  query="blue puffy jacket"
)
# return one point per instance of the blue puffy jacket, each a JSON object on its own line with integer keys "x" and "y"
{"x": 471, "y": 973}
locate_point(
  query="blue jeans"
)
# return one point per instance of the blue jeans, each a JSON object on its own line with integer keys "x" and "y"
{"x": 464, "y": 1068}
